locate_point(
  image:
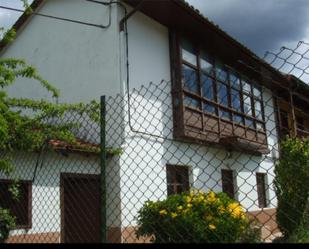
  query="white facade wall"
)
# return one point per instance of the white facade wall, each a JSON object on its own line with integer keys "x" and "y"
{"x": 87, "y": 62}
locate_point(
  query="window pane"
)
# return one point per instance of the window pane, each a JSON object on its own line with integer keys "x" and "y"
{"x": 257, "y": 92}
{"x": 238, "y": 118}
{"x": 209, "y": 108}
{"x": 258, "y": 109}
{"x": 235, "y": 81}
{"x": 259, "y": 126}
{"x": 249, "y": 122}
{"x": 236, "y": 100}
{"x": 188, "y": 52}
{"x": 246, "y": 87}
{"x": 188, "y": 101}
{"x": 247, "y": 105}
{"x": 189, "y": 78}
{"x": 221, "y": 72}
{"x": 222, "y": 94}
{"x": 224, "y": 114}
{"x": 207, "y": 87}
{"x": 206, "y": 62}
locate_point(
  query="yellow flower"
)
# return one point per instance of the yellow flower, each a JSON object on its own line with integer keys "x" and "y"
{"x": 221, "y": 209}
{"x": 179, "y": 208}
{"x": 212, "y": 196}
{"x": 201, "y": 198}
{"x": 173, "y": 215}
{"x": 236, "y": 210}
{"x": 163, "y": 212}
{"x": 189, "y": 205}
{"x": 212, "y": 226}
{"x": 188, "y": 199}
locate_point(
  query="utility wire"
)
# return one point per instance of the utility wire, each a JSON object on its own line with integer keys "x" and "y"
{"x": 61, "y": 18}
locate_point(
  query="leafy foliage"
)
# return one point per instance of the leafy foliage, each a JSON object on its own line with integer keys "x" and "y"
{"x": 196, "y": 217}
{"x": 7, "y": 222}
{"x": 291, "y": 185}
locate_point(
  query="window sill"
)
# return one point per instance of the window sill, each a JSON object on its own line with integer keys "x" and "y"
{"x": 243, "y": 145}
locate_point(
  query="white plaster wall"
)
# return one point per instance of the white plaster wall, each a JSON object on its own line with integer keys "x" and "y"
{"x": 46, "y": 214}
{"x": 81, "y": 61}
{"x": 149, "y": 59}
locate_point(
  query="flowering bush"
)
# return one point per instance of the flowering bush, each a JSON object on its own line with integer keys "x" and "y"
{"x": 196, "y": 217}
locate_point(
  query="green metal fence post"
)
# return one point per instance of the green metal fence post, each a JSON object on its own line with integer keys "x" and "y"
{"x": 103, "y": 170}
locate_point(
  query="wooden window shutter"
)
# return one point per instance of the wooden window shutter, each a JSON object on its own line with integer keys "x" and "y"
{"x": 177, "y": 179}
{"x": 228, "y": 182}
{"x": 261, "y": 189}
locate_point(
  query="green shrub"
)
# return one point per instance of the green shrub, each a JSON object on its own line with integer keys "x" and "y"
{"x": 291, "y": 185}
{"x": 7, "y": 222}
{"x": 196, "y": 218}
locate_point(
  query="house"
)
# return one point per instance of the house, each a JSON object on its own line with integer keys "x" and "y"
{"x": 208, "y": 120}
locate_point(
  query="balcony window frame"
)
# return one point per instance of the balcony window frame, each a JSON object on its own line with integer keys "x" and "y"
{"x": 181, "y": 95}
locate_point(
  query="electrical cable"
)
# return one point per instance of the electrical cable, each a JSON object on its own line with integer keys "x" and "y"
{"x": 63, "y": 19}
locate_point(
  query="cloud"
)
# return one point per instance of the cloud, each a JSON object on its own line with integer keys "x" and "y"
{"x": 260, "y": 25}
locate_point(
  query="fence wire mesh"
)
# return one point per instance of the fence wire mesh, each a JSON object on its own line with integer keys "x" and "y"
{"x": 223, "y": 134}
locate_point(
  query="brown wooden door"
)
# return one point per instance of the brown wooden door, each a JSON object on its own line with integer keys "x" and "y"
{"x": 80, "y": 208}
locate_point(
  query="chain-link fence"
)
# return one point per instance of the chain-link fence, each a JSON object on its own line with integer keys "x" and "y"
{"x": 156, "y": 142}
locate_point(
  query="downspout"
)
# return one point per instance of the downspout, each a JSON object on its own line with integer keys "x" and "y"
{"x": 123, "y": 27}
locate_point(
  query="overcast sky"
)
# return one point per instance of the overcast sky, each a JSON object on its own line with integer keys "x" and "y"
{"x": 263, "y": 25}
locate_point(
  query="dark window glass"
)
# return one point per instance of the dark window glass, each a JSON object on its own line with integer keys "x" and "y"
{"x": 238, "y": 118}
{"x": 261, "y": 189}
{"x": 221, "y": 72}
{"x": 246, "y": 87}
{"x": 247, "y": 105}
{"x": 236, "y": 102}
{"x": 258, "y": 109}
{"x": 206, "y": 62}
{"x": 260, "y": 126}
{"x": 189, "y": 79}
{"x": 300, "y": 123}
{"x": 257, "y": 91}
{"x": 228, "y": 183}
{"x": 222, "y": 94}
{"x": 224, "y": 114}
{"x": 207, "y": 87}
{"x": 249, "y": 122}
{"x": 284, "y": 126}
{"x": 20, "y": 207}
{"x": 188, "y": 52}
{"x": 209, "y": 108}
{"x": 234, "y": 80}
{"x": 177, "y": 179}
{"x": 188, "y": 101}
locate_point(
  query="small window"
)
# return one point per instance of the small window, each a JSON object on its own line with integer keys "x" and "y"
{"x": 177, "y": 179}
{"x": 228, "y": 182}
{"x": 21, "y": 207}
{"x": 261, "y": 189}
